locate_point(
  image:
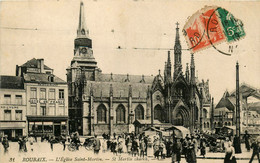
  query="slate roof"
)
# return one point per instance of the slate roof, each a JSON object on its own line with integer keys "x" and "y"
{"x": 123, "y": 78}
{"x": 42, "y": 78}
{"x": 120, "y": 89}
{"x": 11, "y": 82}
{"x": 33, "y": 64}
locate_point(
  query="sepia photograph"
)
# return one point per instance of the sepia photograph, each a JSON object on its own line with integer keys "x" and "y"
{"x": 166, "y": 81}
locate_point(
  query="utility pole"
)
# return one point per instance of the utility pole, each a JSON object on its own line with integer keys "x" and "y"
{"x": 237, "y": 142}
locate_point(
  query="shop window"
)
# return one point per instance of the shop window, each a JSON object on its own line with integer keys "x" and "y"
{"x": 18, "y": 99}
{"x": 18, "y": 115}
{"x": 52, "y": 94}
{"x": 42, "y": 93}
{"x": 33, "y": 93}
{"x": 61, "y": 93}
{"x": 7, "y": 115}
{"x": 7, "y": 99}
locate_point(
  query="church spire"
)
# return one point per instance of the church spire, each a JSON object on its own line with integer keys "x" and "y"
{"x": 177, "y": 53}
{"x": 82, "y": 28}
{"x": 187, "y": 73}
{"x": 192, "y": 69}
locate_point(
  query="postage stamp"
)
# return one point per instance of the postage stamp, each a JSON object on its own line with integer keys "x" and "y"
{"x": 211, "y": 26}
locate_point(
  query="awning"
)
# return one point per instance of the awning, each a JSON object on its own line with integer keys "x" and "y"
{"x": 47, "y": 118}
{"x": 179, "y": 131}
{"x": 12, "y": 125}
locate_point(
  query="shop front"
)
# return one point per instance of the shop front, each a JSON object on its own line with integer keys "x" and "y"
{"x": 12, "y": 129}
{"x": 52, "y": 126}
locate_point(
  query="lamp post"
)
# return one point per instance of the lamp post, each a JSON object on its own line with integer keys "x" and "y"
{"x": 237, "y": 143}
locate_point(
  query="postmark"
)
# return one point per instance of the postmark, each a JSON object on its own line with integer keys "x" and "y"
{"x": 211, "y": 26}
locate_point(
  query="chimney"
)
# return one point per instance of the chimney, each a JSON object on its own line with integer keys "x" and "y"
{"x": 40, "y": 65}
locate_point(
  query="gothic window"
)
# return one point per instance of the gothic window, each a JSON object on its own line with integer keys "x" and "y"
{"x": 101, "y": 114}
{"x": 139, "y": 112}
{"x": 207, "y": 124}
{"x": 120, "y": 114}
{"x": 158, "y": 113}
{"x": 196, "y": 113}
{"x": 205, "y": 113}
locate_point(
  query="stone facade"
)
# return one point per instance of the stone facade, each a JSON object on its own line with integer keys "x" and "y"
{"x": 110, "y": 103}
{"x": 12, "y": 107}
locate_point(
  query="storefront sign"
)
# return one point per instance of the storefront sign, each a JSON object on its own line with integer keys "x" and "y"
{"x": 10, "y": 107}
{"x": 43, "y": 101}
{"x": 33, "y": 101}
{"x": 61, "y": 102}
{"x": 52, "y": 101}
{"x": 47, "y": 84}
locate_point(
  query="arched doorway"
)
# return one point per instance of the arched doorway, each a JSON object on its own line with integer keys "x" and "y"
{"x": 158, "y": 113}
{"x": 180, "y": 117}
{"x": 179, "y": 120}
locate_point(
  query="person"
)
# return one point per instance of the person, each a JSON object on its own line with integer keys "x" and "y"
{"x": 96, "y": 145}
{"x": 184, "y": 147}
{"x": 51, "y": 140}
{"x": 156, "y": 148}
{"x": 76, "y": 140}
{"x": 236, "y": 144}
{"x": 63, "y": 141}
{"x": 134, "y": 147}
{"x": 20, "y": 142}
{"x": 120, "y": 147}
{"x": 203, "y": 147}
{"x": 5, "y": 144}
{"x": 142, "y": 147}
{"x": 31, "y": 140}
{"x": 161, "y": 147}
{"x": 176, "y": 150}
{"x": 230, "y": 154}
{"x": 256, "y": 149}
{"x": 246, "y": 138}
{"x": 24, "y": 144}
{"x": 191, "y": 155}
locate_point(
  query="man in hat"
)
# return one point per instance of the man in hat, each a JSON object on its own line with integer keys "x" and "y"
{"x": 256, "y": 149}
{"x": 5, "y": 144}
{"x": 247, "y": 137}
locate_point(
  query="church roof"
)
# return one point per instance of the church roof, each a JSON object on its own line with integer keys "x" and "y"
{"x": 33, "y": 64}
{"x": 120, "y": 89}
{"x": 11, "y": 82}
{"x": 122, "y": 78}
{"x": 42, "y": 78}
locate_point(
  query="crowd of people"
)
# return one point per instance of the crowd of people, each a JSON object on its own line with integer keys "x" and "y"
{"x": 145, "y": 145}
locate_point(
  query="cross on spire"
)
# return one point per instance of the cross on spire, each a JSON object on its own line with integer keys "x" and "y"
{"x": 177, "y": 24}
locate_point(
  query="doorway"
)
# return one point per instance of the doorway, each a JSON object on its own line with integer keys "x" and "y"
{"x": 57, "y": 130}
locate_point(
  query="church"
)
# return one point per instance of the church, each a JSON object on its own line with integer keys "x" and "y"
{"x": 110, "y": 103}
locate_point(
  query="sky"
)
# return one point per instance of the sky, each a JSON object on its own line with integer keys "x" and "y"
{"x": 47, "y": 29}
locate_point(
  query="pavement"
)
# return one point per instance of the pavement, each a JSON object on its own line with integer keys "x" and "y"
{"x": 42, "y": 153}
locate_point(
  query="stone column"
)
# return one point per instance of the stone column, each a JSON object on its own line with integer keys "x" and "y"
{"x": 111, "y": 111}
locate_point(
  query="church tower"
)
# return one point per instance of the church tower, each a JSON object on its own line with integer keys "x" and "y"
{"x": 177, "y": 54}
{"x": 83, "y": 53}
{"x": 83, "y": 67}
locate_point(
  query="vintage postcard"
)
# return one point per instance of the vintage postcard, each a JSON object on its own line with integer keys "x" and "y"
{"x": 129, "y": 81}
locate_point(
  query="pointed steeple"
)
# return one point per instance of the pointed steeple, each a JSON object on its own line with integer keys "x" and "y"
{"x": 82, "y": 28}
{"x": 192, "y": 69}
{"x": 177, "y": 53}
{"x": 168, "y": 69}
{"x": 187, "y": 73}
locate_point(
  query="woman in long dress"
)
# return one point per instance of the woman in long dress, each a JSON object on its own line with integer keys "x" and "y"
{"x": 230, "y": 154}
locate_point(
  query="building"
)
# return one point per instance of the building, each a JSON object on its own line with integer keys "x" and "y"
{"x": 110, "y": 103}
{"x": 225, "y": 112}
{"x": 46, "y": 99}
{"x": 12, "y": 107}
